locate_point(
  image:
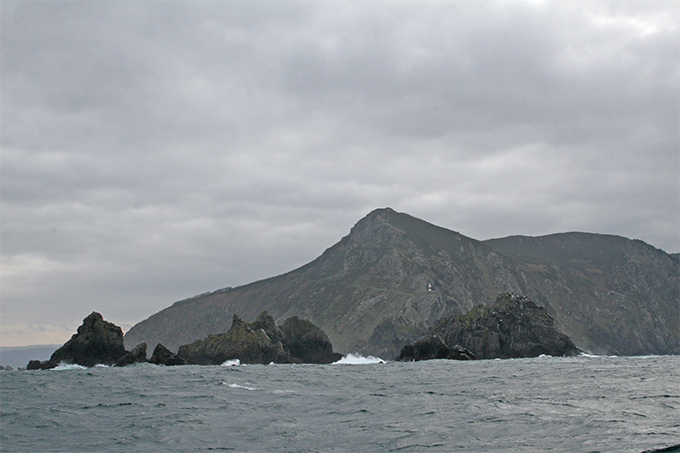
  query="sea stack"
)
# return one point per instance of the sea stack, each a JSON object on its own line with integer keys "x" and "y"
{"x": 263, "y": 342}
{"x": 512, "y": 327}
{"x": 96, "y": 342}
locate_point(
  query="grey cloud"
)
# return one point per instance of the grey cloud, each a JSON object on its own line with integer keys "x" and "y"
{"x": 152, "y": 151}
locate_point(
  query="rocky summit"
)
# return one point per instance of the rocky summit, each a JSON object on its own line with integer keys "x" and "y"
{"x": 394, "y": 276}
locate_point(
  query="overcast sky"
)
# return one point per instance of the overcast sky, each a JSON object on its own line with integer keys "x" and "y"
{"x": 152, "y": 151}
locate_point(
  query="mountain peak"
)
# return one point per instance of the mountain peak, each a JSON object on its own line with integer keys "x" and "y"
{"x": 377, "y": 226}
{"x": 380, "y": 216}
{"x": 395, "y": 275}
{"x": 385, "y": 226}
{"x": 382, "y": 212}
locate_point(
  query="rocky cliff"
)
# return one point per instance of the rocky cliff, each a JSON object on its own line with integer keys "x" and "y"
{"x": 296, "y": 341}
{"x": 610, "y": 294}
{"x": 96, "y": 342}
{"x": 512, "y": 327}
{"x": 394, "y": 276}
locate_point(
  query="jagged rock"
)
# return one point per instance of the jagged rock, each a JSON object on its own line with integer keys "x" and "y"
{"x": 163, "y": 356}
{"x": 263, "y": 342}
{"x": 512, "y": 327}
{"x": 137, "y": 355}
{"x": 306, "y": 342}
{"x": 433, "y": 347}
{"x": 265, "y": 322}
{"x": 241, "y": 342}
{"x": 96, "y": 342}
{"x": 6, "y": 368}
{"x": 40, "y": 365}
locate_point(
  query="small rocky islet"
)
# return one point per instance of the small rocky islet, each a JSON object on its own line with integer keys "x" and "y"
{"x": 512, "y": 327}
{"x": 99, "y": 342}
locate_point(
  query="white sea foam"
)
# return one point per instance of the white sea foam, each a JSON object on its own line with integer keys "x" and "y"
{"x": 282, "y": 392}
{"x": 236, "y": 386}
{"x": 234, "y": 362}
{"x": 358, "y": 359}
{"x": 68, "y": 366}
{"x": 595, "y": 356}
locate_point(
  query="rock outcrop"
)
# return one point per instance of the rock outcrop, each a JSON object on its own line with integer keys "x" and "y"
{"x": 512, "y": 327}
{"x": 39, "y": 365}
{"x": 163, "y": 356}
{"x": 306, "y": 342}
{"x": 136, "y": 355}
{"x": 96, "y": 342}
{"x": 261, "y": 341}
{"x": 433, "y": 347}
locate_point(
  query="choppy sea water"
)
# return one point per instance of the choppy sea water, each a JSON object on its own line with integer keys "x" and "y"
{"x": 581, "y": 404}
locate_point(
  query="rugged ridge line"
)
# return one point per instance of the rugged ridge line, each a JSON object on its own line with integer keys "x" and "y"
{"x": 394, "y": 276}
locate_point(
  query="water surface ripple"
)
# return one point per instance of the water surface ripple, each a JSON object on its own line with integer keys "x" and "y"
{"x": 581, "y": 404}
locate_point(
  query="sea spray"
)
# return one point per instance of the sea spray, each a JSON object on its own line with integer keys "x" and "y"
{"x": 233, "y": 362}
{"x": 358, "y": 359}
{"x": 68, "y": 366}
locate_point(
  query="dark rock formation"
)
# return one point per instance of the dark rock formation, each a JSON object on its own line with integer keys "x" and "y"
{"x": 163, "y": 356}
{"x": 96, "y": 342}
{"x": 306, "y": 342}
{"x": 39, "y": 365}
{"x": 241, "y": 342}
{"x": 262, "y": 342}
{"x": 137, "y": 355}
{"x": 512, "y": 327}
{"x": 265, "y": 322}
{"x": 433, "y": 347}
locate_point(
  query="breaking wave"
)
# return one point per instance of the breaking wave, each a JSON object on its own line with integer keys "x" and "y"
{"x": 358, "y": 359}
{"x": 236, "y": 386}
{"x": 596, "y": 356}
{"x": 68, "y": 366}
{"x": 233, "y": 362}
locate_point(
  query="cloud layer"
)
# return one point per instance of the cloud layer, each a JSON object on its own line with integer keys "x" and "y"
{"x": 152, "y": 151}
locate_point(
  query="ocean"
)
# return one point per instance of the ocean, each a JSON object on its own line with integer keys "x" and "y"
{"x": 579, "y": 404}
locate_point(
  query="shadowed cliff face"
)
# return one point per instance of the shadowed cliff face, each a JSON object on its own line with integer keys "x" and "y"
{"x": 511, "y": 327}
{"x": 611, "y": 294}
{"x": 394, "y": 276}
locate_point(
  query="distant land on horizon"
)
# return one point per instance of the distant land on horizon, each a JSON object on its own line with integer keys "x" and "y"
{"x": 393, "y": 276}
{"x": 19, "y": 356}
